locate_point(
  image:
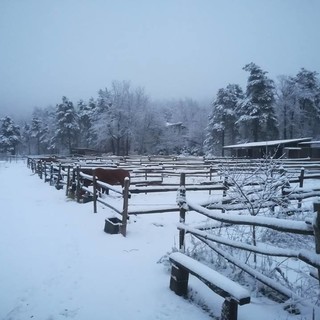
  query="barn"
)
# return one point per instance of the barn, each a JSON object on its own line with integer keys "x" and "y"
{"x": 288, "y": 148}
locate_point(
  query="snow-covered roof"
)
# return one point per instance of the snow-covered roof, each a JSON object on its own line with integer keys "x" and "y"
{"x": 310, "y": 142}
{"x": 171, "y": 124}
{"x": 266, "y": 143}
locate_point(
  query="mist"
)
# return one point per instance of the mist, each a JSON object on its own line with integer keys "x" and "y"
{"x": 174, "y": 49}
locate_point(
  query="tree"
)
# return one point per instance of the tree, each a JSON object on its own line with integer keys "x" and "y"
{"x": 258, "y": 190}
{"x": 67, "y": 127}
{"x": 307, "y": 91}
{"x": 120, "y": 117}
{"x": 298, "y": 104}
{"x": 9, "y": 135}
{"x": 26, "y": 137}
{"x": 38, "y": 132}
{"x": 148, "y": 131}
{"x": 256, "y": 112}
{"x": 194, "y": 118}
{"x": 86, "y": 117}
{"x": 43, "y": 126}
{"x": 181, "y": 123}
{"x": 116, "y": 118}
{"x": 222, "y": 126}
{"x": 286, "y": 109}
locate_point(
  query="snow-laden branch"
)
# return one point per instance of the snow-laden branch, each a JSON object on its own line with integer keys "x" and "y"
{"x": 257, "y": 275}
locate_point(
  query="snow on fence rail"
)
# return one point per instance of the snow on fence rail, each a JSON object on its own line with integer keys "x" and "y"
{"x": 56, "y": 170}
{"x": 135, "y": 190}
{"x": 311, "y": 226}
{"x": 64, "y": 173}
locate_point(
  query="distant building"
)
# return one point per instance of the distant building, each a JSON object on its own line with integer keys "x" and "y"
{"x": 289, "y": 148}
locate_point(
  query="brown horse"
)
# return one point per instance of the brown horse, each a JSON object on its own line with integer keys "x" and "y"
{"x": 110, "y": 176}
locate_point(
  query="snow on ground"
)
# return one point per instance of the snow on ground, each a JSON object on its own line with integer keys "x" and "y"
{"x": 58, "y": 263}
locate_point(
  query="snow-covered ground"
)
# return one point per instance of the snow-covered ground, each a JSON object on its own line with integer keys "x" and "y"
{"x": 58, "y": 263}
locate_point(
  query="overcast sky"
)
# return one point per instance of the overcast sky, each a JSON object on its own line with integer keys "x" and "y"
{"x": 172, "y": 48}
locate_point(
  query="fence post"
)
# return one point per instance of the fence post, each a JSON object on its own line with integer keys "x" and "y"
{"x": 224, "y": 193}
{"x": 78, "y": 187}
{"x": 73, "y": 184}
{"x": 316, "y": 229}
{"x": 51, "y": 174}
{"x": 125, "y": 206}
{"x": 59, "y": 177}
{"x": 40, "y": 169}
{"x": 94, "y": 182}
{"x": 182, "y": 201}
{"x": 301, "y": 177}
{"x": 68, "y": 182}
{"x": 286, "y": 184}
{"x": 45, "y": 171}
{"x": 210, "y": 176}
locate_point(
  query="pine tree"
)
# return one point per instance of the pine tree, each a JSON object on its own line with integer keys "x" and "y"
{"x": 9, "y": 136}
{"x": 86, "y": 114}
{"x": 288, "y": 113}
{"x": 307, "y": 94}
{"x": 222, "y": 129}
{"x": 26, "y": 137}
{"x": 38, "y": 131}
{"x": 256, "y": 113}
{"x": 298, "y": 104}
{"x": 67, "y": 127}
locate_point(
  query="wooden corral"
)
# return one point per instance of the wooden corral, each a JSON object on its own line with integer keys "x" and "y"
{"x": 183, "y": 175}
{"x": 237, "y": 216}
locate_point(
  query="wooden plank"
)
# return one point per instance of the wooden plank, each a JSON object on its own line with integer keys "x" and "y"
{"x": 220, "y": 284}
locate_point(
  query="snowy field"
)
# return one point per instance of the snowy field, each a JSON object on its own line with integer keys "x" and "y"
{"x": 58, "y": 263}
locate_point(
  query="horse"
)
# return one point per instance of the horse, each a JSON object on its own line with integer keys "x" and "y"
{"x": 110, "y": 176}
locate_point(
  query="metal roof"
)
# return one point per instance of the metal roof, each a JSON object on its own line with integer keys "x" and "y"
{"x": 266, "y": 143}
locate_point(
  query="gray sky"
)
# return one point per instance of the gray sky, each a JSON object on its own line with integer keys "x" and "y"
{"x": 172, "y": 48}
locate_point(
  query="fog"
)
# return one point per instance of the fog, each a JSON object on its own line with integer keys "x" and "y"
{"x": 172, "y": 48}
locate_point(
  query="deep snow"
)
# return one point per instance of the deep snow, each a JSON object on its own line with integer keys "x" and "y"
{"x": 58, "y": 263}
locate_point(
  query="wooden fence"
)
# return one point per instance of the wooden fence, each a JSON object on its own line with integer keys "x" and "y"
{"x": 149, "y": 174}
{"x": 308, "y": 227}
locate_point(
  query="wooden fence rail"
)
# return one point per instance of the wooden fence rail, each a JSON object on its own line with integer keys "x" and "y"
{"x": 308, "y": 227}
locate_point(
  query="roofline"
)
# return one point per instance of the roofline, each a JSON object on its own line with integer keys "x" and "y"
{"x": 259, "y": 144}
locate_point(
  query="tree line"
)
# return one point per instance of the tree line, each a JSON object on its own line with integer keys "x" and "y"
{"x": 123, "y": 119}
{"x": 266, "y": 110}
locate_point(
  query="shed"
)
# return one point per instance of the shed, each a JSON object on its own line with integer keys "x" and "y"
{"x": 272, "y": 148}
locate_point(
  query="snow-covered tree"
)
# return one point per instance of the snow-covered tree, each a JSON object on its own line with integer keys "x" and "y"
{"x": 145, "y": 124}
{"x": 38, "y": 133}
{"x": 194, "y": 118}
{"x": 298, "y": 104}
{"x": 9, "y": 135}
{"x": 182, "y": 126}
{"x": 26, "y": 137}
{"x": 43, "y": 126}
{"x": 257, "y": 118}
{"x": 86, "y": 114}
{"x": 120, "y": 117}
{"x": 222, "y": 128}
{"x": 67, "y": 127}
{"x": 116, "y": 118}
{"x": 307, "y": 93}
{"x": 286, "y": 107}
{"x": 148, "y": 131}
{"x": 100, "y": 120}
